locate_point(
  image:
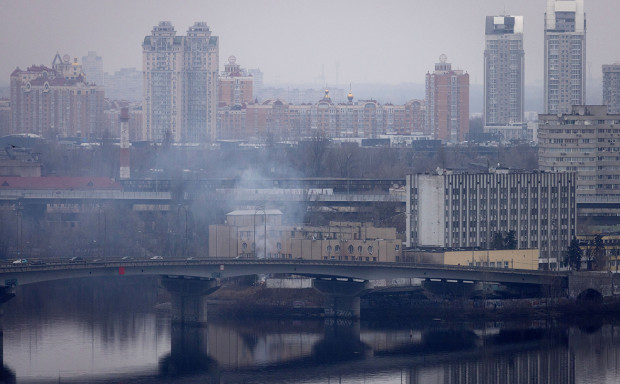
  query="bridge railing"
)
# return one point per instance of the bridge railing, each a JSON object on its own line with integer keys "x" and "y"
{"x": 97, "y": 194}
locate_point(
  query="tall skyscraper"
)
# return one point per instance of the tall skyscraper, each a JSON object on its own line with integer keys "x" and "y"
{"x": 447, "y": 102}
{"x": 611, "y": 87}
{"x": 180, "y": 84}
{"x": 503, "y": 70}
{"x": 92, "y": 65}
{"x": 565, "y": 55}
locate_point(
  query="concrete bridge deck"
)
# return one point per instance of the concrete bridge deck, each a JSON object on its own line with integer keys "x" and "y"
{"x": 216, "y": 268}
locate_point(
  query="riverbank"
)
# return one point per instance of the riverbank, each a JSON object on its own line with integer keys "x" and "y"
{"x": 261, "y": 302}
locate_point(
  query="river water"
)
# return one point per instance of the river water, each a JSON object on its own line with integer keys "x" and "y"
{"x": 108, "y": 331}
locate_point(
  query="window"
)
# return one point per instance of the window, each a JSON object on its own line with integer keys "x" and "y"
{"x": 369, "y": 250}
{"x": 350, "y": 248}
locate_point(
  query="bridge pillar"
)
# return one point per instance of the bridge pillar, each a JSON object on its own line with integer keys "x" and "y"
{"x": 603, "y": 282}
{"x": 341, "y": 298}
{"x": 189, "y": 298}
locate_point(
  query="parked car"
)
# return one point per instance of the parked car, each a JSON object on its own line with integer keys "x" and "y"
{"x": 157, "y": 258}
{"x": 20, "y": 261}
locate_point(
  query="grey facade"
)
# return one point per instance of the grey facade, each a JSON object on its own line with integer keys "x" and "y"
{"x": 585, "y": 141}
{"x": 124, "y": 84}
{"x": 565, "y": 55}
{"x": 462, "y": 210}
{"x": 611, "y": 87}
{"x": 92, "y": 65}
{"x": 180, "y": 84}
{"x": 504, "y": 70}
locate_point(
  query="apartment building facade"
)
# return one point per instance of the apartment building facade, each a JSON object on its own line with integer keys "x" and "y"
{"x": 565, "y": 55}
{"x": 504, "y": 71}
{"x": 56, "y": 102}
{"x": 180, "y": 84}
{"x": 585, "y": 141}
{"x": 447, "y": 103}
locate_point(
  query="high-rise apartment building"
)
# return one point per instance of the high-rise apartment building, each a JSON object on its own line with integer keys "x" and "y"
{"x": 584, "y": 141}
{"x": 611, "y": 87}
{"x": 447, "y": 102}
{"x": 565, "y": 55}
{"x": 56, "y": 102}
{"x": 467, "y": 210}
{"x": 124, "y": 84}
{"x": 235, "y": 85}
{"x": 5, "y": 117}
{"x": 180, "y": 84}
{"x": 92, "y": 65}
{"x": 257, "y": 77}
{"x": 504, "y": 63}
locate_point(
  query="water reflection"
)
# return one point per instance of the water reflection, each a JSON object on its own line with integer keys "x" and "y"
{"x": 102, "y": 338}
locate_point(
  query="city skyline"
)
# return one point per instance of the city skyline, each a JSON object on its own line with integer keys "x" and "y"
{"x": 326, "y": 46}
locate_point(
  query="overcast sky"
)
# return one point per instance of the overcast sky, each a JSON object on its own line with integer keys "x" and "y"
{"x": 296, "y": 41}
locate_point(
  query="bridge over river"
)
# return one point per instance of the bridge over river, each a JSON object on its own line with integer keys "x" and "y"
{"x": 342, "y": 283}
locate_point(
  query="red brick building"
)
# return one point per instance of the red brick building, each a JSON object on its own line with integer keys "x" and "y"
{"x": 56, "y": 102}
{"x": 447, "y": 103}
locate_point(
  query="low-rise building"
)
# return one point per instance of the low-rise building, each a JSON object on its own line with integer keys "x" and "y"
{"x": 610, "y": 244}
{"x": 261, "y": 234}
{"x": 504, "y": 258}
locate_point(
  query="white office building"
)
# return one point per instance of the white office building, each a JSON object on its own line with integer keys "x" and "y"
{"x": 466, "y": 210}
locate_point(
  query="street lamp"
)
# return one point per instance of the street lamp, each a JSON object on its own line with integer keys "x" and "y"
{"x": 257, "y": 210}
{"x": 101, "y": 210}
{"x": 184, "y": 253}
{"x": 19, "y": 218}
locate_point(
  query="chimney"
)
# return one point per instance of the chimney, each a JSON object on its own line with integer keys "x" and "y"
{"x": 124, "y": 119}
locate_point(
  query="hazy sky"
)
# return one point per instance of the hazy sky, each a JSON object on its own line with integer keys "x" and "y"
{"x": 296, "y": 41}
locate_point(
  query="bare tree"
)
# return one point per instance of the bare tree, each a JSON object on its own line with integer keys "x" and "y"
{"x": 315, "y": 150}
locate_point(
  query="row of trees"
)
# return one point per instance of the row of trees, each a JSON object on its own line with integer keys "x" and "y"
{"x": 316, "y": 157}
{"x": 591, "y": 251}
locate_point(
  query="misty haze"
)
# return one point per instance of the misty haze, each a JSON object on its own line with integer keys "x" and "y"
{"x": 309, "y": 192}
